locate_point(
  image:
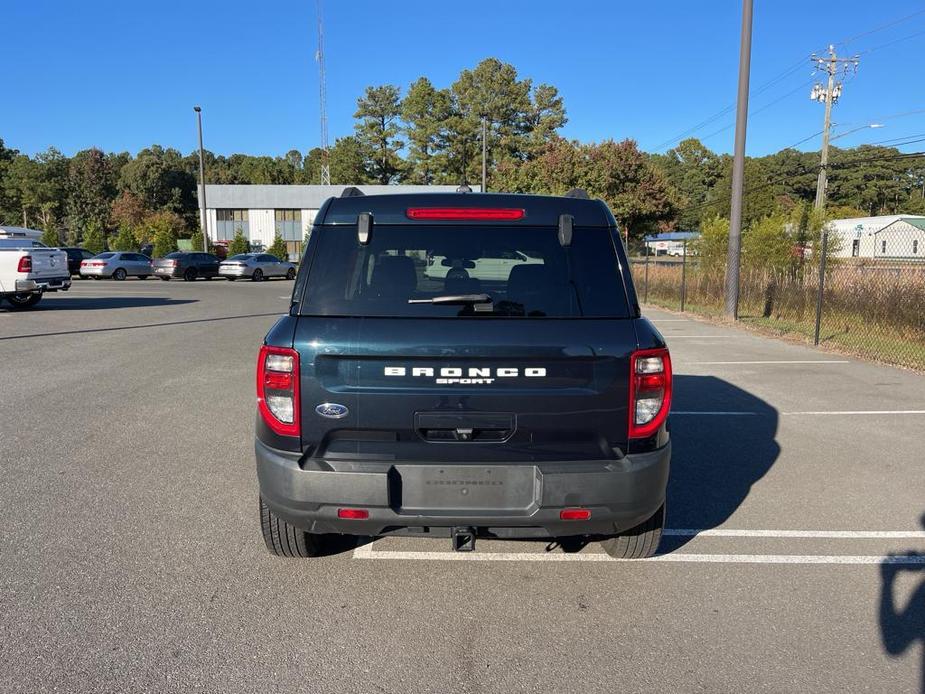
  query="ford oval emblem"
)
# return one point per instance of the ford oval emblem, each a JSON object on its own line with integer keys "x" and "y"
{"x": 332, "y": 410}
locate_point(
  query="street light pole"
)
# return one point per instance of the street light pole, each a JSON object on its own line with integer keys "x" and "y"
{"x": 202, "y": 186}
{"x": 738, "y": 167}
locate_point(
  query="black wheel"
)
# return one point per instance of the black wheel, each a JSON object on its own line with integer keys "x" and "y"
{"x": 258, "y": 275}
{"x": 119, "y": 274}
{"x": 231, "y": 279}
{"x": 639, "y": 542}
{"x": 189, "y": 275}
{"x": 285, "y": 540}
{"x": 143, "y": 277}
{"x": 22, "y": 301}
{"x": 291, "y": 274}
{"x": 165, "y": 279}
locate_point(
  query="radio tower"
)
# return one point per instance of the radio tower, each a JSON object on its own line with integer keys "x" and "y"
{"x": 323, "y": 97}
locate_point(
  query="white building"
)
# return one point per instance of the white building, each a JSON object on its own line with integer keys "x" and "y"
{"x": 904, "y": 238}
{"x": 262, "y": 211}
{"x": 857, "y": 237}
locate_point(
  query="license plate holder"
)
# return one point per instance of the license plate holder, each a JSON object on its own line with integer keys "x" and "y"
{"x": 450, "y": 489}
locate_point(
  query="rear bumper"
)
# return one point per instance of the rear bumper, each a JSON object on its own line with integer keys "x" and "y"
{"x": 161, "y": 271}
{"x": 45, "y": 284}
{"x": 96, "y": 271}
{"x": 232, "y": 271}
{"x": 619, "y": 493}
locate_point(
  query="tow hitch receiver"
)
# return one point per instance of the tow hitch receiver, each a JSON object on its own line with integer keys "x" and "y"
{"x": 463, "y": 539}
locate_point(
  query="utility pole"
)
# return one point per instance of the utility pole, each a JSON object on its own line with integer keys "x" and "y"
{"x": 484, "y": 154}
{"x": 203, "y": 219}
{"x": 738, "y": 166}
{"x": 828, "y": 95}
{"x": 323, "y": 101}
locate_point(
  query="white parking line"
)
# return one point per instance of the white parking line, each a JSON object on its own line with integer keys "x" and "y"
{"x": 671, "y": 336}
{"x": 853, "y": 412}
{"x": 819, "y": 534}
{"x": 366, "y": 552}
{"x": 776, "y": 361}
{"x": 671, "y": 320}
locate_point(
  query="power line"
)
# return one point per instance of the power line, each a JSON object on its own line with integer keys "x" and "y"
{"x": 763, "y": 108}
{"x": 890, "y": 43}
{"x": 790, "y": 70}
{"x": 892, "y": 23}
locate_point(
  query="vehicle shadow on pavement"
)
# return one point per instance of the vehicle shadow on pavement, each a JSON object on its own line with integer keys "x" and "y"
{"x": 902, "y": 627}
{"x": 106, "y": 302}
{"x": 715, "y": 459}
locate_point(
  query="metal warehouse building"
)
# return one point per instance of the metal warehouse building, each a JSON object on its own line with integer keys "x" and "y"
{"x": 860, "y": 237}
{"x": 262, "y": 211}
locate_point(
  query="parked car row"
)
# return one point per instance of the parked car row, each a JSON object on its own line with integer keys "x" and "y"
{"x": 185, "y": 265}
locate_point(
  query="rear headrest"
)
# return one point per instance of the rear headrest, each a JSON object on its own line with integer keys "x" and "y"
{"x": 393, "y": 275}
{"x": 528, "y": 278}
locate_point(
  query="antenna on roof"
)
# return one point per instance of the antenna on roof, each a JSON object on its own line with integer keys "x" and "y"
{"x": 352, "y": 192}
{"x": 578, "y": 193}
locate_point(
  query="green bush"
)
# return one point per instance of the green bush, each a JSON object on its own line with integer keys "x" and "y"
{"x": 94, "y": 239}
{"x": 279, "y": 248}
{"x": 196, "y": 241}
{"x": 50, "y": 235}
{"x": 165, "y": 241}
{"x": 124, "y": 240}
{"x": 239, "y": 243}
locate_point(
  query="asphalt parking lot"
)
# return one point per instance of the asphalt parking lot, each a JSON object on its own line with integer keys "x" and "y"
{"x": 131, "y": 557}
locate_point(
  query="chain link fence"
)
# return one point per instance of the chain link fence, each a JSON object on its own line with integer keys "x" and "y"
{"x": 867, "y": 298}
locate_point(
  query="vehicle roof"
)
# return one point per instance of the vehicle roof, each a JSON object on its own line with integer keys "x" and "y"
{"x": 539, "y": 210}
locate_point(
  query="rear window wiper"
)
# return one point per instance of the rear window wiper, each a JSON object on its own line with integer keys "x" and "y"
{"x": 454, "y": 299}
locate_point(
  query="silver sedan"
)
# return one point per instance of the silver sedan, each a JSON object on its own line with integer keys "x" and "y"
{"x": 255, "y": 266}
{"x": 117, "y": 265}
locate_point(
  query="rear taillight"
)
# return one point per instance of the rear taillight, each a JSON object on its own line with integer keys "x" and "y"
{"x": 650, "y": 391}
{"x": 25, "y": 264}
{"x": 278, "y": 389}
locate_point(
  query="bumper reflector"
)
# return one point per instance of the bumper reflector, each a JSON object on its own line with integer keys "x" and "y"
{"x": 353, "y": 513}
{"x": 575, "y": 514}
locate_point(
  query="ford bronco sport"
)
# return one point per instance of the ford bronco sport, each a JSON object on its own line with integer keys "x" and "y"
{"x": 528, "y": 402}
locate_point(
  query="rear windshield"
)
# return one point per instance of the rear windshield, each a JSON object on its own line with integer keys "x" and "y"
{"x": 524, "y": 270}
{"x": 175, "y": 254}
{"x": 240, "y": 256}
{"x": 105, "y": 255}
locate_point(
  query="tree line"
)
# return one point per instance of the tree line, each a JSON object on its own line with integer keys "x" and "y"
{"x": 430, "y": 135}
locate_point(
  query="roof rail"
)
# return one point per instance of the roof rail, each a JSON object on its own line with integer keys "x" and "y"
{"x": 352, "y": 192}
{"x": 578, "y": 193}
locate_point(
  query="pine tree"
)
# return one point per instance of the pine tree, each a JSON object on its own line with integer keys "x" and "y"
{"x": 279, "y": 248}
{"x": 239, "y": 243}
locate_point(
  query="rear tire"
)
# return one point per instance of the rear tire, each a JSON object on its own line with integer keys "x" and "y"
{"x": 23, "y": 301}
{"x": 258, "y": 275}
{"x": 119, "y": 274}
{"x": 640, "y": 542}
{"x": 285, "y": 540}
{"x": 231, "y": 279}
{"x": 189, "y": 275}
{"x": 165, "y": 279}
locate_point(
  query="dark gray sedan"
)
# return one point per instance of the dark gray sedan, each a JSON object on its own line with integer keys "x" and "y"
{"x": 255, "y": 266}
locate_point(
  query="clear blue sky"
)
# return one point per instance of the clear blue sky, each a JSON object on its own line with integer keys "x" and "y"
{"x": 124, "y": 75}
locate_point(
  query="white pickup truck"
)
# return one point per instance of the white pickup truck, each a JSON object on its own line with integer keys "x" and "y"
{"x": 28, "y": 269}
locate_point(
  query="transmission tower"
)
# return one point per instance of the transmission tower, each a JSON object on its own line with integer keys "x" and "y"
{"x": 828, "y": 94}
{"x": 323, "y": 99}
